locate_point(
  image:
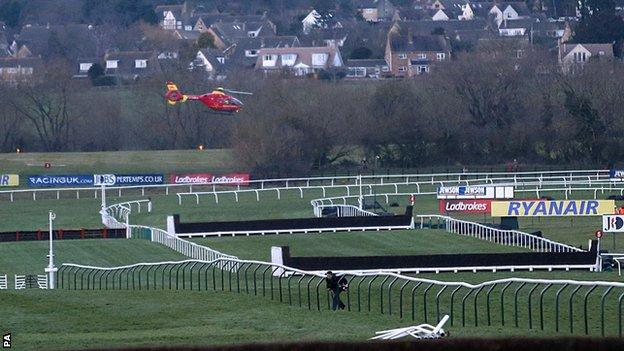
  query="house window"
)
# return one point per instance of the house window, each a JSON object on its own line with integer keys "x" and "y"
{"x": 440, "y": 56}
{"x": 85, "y": 67}
{"x": 270, "y": 57}
{"x": 251, "y": 34}
{"x": 385, "y": 69}
{"x": 140, "y": 63}
{"x": 422, "y": 69}
{"x": 319, "y": 59}
{"x": 188, "y": 28}
{"x": 251, "y": 53}
{"x": 421, "y": 56}
{"x": 111, "y": 64}
{"x": 221, "y": 59}
{"x": 27, "y": 70}
{"x": 356, "y": 72}
{"x": 580, "y": 57}
{"x": 402, "y": 69}
{"x": 12, "y": 70}
{"x": 601, "y": 53}
{"x": 288, "y": 59}
{"x": 402, "y": 56}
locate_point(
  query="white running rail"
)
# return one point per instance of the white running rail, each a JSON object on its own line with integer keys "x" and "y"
{"x": 117, "y": 215}
{"x": 4, "y": 282}
{"x": 20, "y": 282}
{"x": 343, "y": 211}
{"x": 503, "y": 237}
{"x": 42, "y": 281}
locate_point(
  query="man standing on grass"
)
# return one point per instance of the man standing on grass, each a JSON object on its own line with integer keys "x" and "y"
{"x": 336, "y": 285}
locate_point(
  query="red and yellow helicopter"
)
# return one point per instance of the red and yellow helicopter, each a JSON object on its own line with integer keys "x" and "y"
{"x": 216, "y": 100}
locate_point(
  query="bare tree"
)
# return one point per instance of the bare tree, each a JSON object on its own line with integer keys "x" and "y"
{"x": 44, "y": 102}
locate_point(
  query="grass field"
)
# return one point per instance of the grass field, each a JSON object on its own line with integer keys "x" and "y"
{"x": 162, "y": 161}
{"x": 396, "y": 242}
{"x": 73, "y": 214}
{"x": 90, "y": 319}
{"x": 30, "y": 257}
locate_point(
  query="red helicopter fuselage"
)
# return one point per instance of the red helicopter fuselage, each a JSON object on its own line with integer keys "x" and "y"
{"x": 216, "y": 100}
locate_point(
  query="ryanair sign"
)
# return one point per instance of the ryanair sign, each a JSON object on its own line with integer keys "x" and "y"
{"x": 539, "y": 208}
{"x": 9, "y": 180}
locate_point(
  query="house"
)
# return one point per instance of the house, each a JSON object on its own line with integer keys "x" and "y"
{"x": 56, "y": 40}
{"x": 18, "y": 70}
{"x": 299, "y": 60}
{"x": 171, "y": 17}
{"x": 375, "y": 10}
{"x": 244, "y": 53}
{"x": 227, "y": 33}
{"x": 131, "y": 65}
{"x": 368, "y": 68}
{"x": 509, "y": 11}
{"x": 574, "y": 56}
{"x": 201, "y": 22}
{"x": 409, "y": 54}
{"x": 327, "y": 37}
{"x": 515, "y": 28}
{"x": 83, "y": 64}
{"x": 312, "y": 20}
{"x": 210, "y": 61}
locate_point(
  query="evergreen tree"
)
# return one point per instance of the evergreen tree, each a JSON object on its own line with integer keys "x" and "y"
{"x": 599, "y": 23}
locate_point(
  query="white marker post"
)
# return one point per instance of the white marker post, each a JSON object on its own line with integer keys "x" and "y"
{"x": 51, "y": 270}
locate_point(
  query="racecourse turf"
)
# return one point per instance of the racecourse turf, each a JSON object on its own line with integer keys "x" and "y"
{"x": 90, "y": 319}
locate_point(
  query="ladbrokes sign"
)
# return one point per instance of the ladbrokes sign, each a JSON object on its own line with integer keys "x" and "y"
{"x": 207, "y": 178}
{"x": 466, "y": 206}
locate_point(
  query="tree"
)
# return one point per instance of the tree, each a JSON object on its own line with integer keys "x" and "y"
{"x": 206, "y": 40}
{"x": 361, "y": 53}
{"x": 10, "y": 131}
{"x": 10, "y": 12}
{"x": 45, "y": 103}
{"x": 95, "y": 71}
{"x": 599, "y": 23}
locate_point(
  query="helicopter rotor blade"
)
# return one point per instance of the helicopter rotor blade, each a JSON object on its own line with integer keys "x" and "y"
{"x": 237, "y": 92}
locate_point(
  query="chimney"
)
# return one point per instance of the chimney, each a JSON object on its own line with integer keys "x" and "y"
{"x": 410, "y": 36}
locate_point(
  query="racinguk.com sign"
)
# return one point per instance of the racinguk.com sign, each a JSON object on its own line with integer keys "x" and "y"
{"x": 539, "y": 208}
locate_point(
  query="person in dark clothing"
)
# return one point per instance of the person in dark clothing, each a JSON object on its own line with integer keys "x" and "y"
{"x": 336, "y": 285}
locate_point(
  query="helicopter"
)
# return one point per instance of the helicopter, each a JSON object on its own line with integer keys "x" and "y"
{"x": 217, "y": 100}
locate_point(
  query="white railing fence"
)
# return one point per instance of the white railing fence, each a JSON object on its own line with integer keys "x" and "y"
{"x": 4, "y": 282}
{"x": 117, "y": 216}
{"x": 20, "y": 282}
{"x": 500, "y": 236}
{"x": 467, "y": 178}
{"x": 186, "y": 248}
{"x": 342, "y": 211}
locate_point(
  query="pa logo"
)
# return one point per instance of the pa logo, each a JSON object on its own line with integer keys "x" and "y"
{"x": 614, "y": 223}
{"x": 6, "y": 341}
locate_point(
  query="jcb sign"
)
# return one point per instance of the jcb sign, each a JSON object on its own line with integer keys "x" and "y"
{"x": 539, "y": 208}
{"x": 9, "y": 180}
{"x": 613, "y": 224}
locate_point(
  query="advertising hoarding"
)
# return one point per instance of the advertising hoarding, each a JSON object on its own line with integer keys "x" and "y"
{"x": 542, "y": 208}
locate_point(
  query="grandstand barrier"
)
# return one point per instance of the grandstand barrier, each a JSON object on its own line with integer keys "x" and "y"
{"x": 298, "y": 225}
{"x": 492, "y": 262}
{"x": 505, "y": 302}
{"x": 63, "y": 234}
